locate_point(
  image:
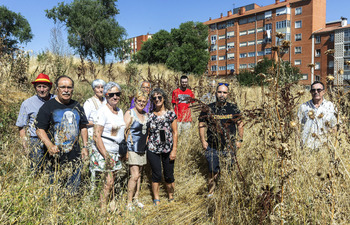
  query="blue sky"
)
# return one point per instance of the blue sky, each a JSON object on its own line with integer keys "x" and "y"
{"x": 147, "y": 16}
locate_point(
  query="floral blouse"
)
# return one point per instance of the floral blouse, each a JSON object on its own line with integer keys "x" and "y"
{"x": 155, "y": 125}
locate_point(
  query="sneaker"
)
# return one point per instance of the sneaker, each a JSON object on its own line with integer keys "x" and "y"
{"x": 138, "y": 204}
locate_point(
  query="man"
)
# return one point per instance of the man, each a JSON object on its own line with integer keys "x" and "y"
{"x": 317, "y": 117}
{"x": 59, "y": 123}
{"x": 146, "y": 87}
{"x": 181, "y": 99}
{"x": 222, "y": 119}
{"x": 27, "y": 117}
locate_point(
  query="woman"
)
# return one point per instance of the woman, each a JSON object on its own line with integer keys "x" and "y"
{"x": 90, "y": 107}
{"x": 108, "y": 133}
{"x": 162, "y": 144}
{"x": 136, "y": 120}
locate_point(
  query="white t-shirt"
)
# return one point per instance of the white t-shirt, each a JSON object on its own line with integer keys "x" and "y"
{"x": 114, "y": 127}
{"x": 90, "y": 107}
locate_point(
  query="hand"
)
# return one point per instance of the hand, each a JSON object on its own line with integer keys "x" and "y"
{"x": 238, "y": 144}
{"x": 109, "y": 162}
{"x": 25, "y": 146}
{"x": 84, "y": 154}
{"x": 172, "y": 155}
{"x": 53, "y": 150}
{"x": 205, "y": 145}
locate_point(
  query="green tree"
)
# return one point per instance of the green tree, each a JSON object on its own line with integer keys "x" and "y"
{"x": 14, "y": 29}
{"x": 92, "y": 28}
{"x": 183, "y": 49}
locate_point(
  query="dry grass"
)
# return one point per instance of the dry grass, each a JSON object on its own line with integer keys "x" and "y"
{"x": 278, "y": 182}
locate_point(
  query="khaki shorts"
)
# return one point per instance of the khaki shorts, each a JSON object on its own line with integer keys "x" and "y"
{"x": 137, "y": 158}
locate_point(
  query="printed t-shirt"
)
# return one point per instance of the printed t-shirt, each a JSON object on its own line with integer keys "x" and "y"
{"x": 182, "y": 101}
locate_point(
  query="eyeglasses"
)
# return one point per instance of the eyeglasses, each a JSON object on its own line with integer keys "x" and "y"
{"x": 226, "y": 84}
{"x": 154, "y": 98}
{"x": 318, "y": 90}
{"x": 65, "y": 87}
{"x": 111, "y": 95}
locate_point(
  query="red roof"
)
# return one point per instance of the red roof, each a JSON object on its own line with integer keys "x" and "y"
{"x": 330, "y": 29}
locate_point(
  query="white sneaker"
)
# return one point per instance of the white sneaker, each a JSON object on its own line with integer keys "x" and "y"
{"x": 138, "y": 204}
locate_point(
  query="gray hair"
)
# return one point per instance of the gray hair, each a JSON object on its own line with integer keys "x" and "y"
{"x": 97, "y": 82}
{"x": 109, "y": 86}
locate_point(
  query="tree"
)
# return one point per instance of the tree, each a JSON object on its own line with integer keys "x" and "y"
{"x": 183, "y": 49}
{"x": 14, "y": 29}
{"x": 92, "y": 28}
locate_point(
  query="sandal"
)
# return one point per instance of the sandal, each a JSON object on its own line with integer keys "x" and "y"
{"x": 156, "y": 202}
{"x": 171, "y": 200}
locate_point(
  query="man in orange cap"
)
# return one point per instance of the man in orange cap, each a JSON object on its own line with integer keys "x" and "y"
{"x": 27, "y": 117}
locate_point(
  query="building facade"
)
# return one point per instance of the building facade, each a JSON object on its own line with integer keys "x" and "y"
{"x": 247, "y": 34}
{"x": 136, "y": 43}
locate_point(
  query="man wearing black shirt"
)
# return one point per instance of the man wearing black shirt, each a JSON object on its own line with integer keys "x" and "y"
{"x": 222, "y": 119}
{"x": 59, "y": 122}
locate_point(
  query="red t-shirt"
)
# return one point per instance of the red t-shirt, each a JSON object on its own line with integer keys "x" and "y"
{"x": 181, "y": 99}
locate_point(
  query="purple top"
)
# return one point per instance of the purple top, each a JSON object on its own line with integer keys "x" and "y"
{"x": 147, "y": 109}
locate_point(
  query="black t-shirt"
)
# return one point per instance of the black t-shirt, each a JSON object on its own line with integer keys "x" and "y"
{"x": 62, "y": 124}
{"x": 221, "y": 123}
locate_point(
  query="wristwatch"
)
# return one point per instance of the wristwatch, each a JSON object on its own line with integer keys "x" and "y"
{"x": 241, "y": 140}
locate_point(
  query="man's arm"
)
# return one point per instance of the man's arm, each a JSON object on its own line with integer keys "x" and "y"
{"x": 51, "y": 148}
{"x": 201, "y": 127}
{"x": 240, "y": 133}
{"x": 84, "y": 136}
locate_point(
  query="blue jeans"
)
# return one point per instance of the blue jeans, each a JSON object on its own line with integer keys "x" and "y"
{"x": 36, "y": 154}
{"x": 213, "y": 157}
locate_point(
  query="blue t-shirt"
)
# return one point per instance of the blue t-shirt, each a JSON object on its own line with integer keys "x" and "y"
{"x": 28, "y": 111}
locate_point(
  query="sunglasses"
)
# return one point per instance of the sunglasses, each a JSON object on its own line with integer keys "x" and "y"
{"x": 226, "y": 84}
{"x": 318, "y": 90}
{"x": 157, "y": 97}
{"x": 111, "y": 95}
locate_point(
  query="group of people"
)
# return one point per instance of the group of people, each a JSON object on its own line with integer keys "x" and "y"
{"x": 50, "y": 125}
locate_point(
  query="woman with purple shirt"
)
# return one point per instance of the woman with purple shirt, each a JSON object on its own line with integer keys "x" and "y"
{"x": 146, "y": 87}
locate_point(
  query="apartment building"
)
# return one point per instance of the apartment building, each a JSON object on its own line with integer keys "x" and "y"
{"x": 336, "y": 37}
{"x": 136, "y": 43}
{"x": 246, "y": 35}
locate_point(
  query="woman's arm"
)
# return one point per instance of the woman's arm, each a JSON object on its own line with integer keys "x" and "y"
{"x": 98, "y": 129}
{"x": 173, "y": 151}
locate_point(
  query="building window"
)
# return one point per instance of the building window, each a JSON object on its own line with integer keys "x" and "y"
{"x": 298, "y": 37}
{"x": 251, "y": 43}
{"x": 222, "y": 26}
{"x": 318, "y": 39}
{"x": 331, "y": 64}
{"x": 268, "y": 14}
{"x": 267, "y": 51}
{"x": 282, "y": 24}
{"x": 251, "y": 31}
{"x": 304, "y": 77}
{"x": 260, "y": 17}
{"x": 222, "y": 57}
{"x": 222, "y": 37}
{"x": 213, "y": 26}
{"x": 230, "y": 45}
{"x": 261, "y": 53}
{"x": 213, "y": 47}
{"x": 282, "y": 11}
{"x": 260, "y": 29}
{"x": 213, "y": 68}
{"x": 230, "y": 66}
{"x": 298, "y": 24}
{"x": 347, "y": 49}
{"x": 242, "y": 44}
{"x": 251, "y": 65}
{"x": 251, "y": 54}
{"x": 213, "y": 58}
{"x": 317, "y": 78}
{"x": 268, "y": 26}
{"x": 230, "y": 34}
{"x": 243, "y": 21}
{"x": 222, "y": 67}
{"x": 241, "y": 33}
{"x": 260, "y": 41}
{"x": 243, "y": 66}
{"x": 297, "y": 62}
{"x": 222, "y": 47}
{"x": 251, "y": 19}
{"x": 317, "y": 66}
{"x": 331, "y": 37}
{"x": 298, "y": 11}
{"x": 213, "y": 39}
{"x": 297, "y": 50}
{"x": 230, "y": 56}
{"x": 347, "y": 35}
{"x": 243, "y": 55}
{"x": 318, "y": 53}
{"x": 230, "y": 23}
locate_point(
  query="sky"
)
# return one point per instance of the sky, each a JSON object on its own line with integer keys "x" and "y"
{"x": 140, "y": 17}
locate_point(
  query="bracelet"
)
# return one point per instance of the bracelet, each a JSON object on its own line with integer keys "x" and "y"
{"x": 84, "y": 146}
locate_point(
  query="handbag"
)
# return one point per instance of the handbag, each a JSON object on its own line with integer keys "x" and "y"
{"x": 123, "y": 147}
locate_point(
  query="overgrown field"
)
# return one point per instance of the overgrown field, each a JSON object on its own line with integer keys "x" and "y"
{"x": 274, "y": 180}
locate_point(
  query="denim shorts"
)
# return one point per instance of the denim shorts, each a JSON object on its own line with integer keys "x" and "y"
{"x": 213, "y": 157}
